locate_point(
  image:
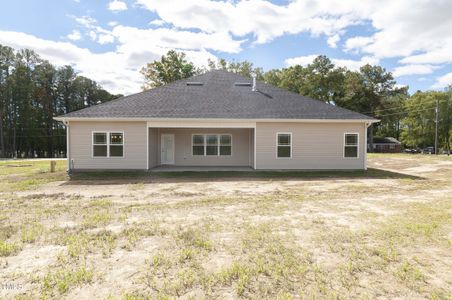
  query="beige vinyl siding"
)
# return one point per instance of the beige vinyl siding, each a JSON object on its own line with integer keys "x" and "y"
{"x": 134, "y": 145}
{"x": 314, "y": 146}
{"x": 183, "y": 147}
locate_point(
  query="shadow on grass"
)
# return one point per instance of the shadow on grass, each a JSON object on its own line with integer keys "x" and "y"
{"x": 116, "y": 177}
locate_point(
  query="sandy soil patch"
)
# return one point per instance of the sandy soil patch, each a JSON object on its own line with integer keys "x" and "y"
{"x": 234, "y": 238}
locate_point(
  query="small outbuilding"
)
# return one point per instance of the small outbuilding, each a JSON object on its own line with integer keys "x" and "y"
{"x": 386, "y": 145}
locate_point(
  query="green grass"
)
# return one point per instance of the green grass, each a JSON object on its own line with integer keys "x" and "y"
{"x": 418, "y": 156}
{"x": 193, "y": 238}
{"x": 25, "y": 175}
{"x": 31, "y": 232}
{"x": 7, "y": 249}
{"x": 94, "y": 219}
{"x": 17, "y": 175}
{"x": 328, "y": 239}
{"x": 81, "y": 244}
{"x": 60, "y": 281}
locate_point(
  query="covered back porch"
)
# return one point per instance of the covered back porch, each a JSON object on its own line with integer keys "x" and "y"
{"x": 200, "y": 146}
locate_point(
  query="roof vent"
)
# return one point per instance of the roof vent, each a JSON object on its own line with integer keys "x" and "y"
{"x": 254, "y": 82}
{"x": 242, "y": 84}
{"x": 194, "y": 83}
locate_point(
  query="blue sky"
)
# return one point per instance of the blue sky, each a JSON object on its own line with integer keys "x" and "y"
{"x": 109, "y": 41}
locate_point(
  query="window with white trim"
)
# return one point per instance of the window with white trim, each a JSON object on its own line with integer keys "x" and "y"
{"x": 284, "y": 145}
{"x": 198, "y": 144}
{"x": 212, "y": 144}
{"x": 108, "y": 144}
{"x": 351, "y": 145}
{"x": 116, "y": 144}
{"x": 225, "y": 144}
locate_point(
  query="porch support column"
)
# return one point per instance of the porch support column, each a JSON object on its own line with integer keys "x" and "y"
{"x": 68, "y": 145}
{"x": 255, "y": 147}
{"x": 147, "y": 147}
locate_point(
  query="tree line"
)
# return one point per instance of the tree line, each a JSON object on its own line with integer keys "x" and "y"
{"x": 371, "y": 90}
{"x": 32, "y": 92}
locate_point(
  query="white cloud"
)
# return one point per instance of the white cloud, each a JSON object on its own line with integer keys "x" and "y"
{"x": 117, "y": 71}
{"x": 157, "y": 22}
{"x": 92, "y": 34}
{"x": 354, "y": 65}
{"x": 359, "y": 42}
{"x": 112, "y": 23}
{"x": 110, "y": 69}
{"x": 419, "y": 34}
{"x": 86, "y": 21}
{"x": 117, "y": 5}
{"x": 435, "y": 56}
{"x": 413, "y": 70}
{"x": 260, "y": 18}
{"x": 350, "y": 64}
{"x": 417, "y": 31}
{"x": 171, "y": 38}
{"x": 106, "y": 39}
{"x": 300, "y": 60}
{"x": 332, "y": 40}
{"x": 74, "y": 35}
{"x": 443, "y": 81}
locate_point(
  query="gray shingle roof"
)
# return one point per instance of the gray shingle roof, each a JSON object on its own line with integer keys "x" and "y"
{"x": 217, "y": 97}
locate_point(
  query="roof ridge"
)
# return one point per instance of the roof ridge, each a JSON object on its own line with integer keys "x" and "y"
{"x": 217, "y": 97}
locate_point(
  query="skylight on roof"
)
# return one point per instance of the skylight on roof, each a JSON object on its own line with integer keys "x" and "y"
{"x": 194, "y": 83}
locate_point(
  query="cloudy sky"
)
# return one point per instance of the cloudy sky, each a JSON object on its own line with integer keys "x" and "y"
{"x": 109, "y": 41}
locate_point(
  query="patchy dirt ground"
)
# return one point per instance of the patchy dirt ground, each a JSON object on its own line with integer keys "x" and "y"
{"x": 339, "y": 237}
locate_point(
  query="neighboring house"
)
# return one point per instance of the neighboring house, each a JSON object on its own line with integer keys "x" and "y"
{"x": 386, "y": 145}
{"x": 216, "y": 119}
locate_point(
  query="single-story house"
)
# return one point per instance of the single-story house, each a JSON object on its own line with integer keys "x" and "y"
{"x": 386, "y": 145}
{"x": 216, "y": 119}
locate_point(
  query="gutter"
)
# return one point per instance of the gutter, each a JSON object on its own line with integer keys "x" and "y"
{"x": 273, "y": 120}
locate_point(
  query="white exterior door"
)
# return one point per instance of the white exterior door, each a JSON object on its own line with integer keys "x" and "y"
{"x": 167, "y": 153}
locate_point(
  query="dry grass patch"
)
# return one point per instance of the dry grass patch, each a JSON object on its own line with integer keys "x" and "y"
{"x": 284, "y": 237}
{"x": 7, "y": 249}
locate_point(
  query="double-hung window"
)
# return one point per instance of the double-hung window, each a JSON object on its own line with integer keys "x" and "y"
{"x": 211, "y": 145}
{"x": 198, "y": 144}
{"x": 108, "y": 144}
{"x": 284, "y": 145}
{"x": 225, "y": 144}
{"x": 351, "y": 145}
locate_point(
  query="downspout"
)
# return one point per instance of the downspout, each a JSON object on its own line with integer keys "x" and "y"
{"x": 366, "y": 125}
{"x": 254, "y": 89}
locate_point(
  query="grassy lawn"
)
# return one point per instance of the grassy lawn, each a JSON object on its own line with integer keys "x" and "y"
{"x": 384, "y": 233}
{"x": 26, "y": 174}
